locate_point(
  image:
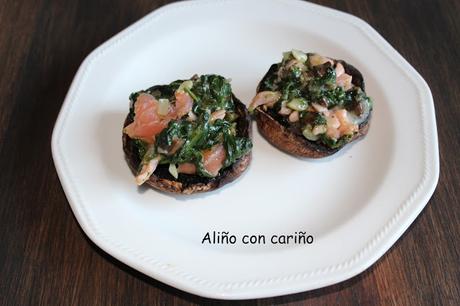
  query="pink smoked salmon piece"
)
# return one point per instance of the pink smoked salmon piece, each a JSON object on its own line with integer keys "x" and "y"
{"x": 213, "y": 159}
{"x": 184, "y": 104}
{"x": 264, "y": 97}
{"x": 148, "y": 123}
{"x": 187, "y": 168}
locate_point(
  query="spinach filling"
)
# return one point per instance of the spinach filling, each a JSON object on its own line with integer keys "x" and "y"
{"x": 210, "y": 93}
{"x": 302, "y": 83}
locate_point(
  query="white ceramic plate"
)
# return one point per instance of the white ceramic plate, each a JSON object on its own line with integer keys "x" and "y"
{"x": 355, "y": 204}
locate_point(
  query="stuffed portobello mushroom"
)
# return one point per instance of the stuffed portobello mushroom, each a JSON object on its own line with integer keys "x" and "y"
{"x": 310, "y": 105}
{"x": 189, "y": 136}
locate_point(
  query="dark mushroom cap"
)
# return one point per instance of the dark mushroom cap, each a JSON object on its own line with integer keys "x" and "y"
{"x": 286, "y": 139}
{"x": 186, "y": 183}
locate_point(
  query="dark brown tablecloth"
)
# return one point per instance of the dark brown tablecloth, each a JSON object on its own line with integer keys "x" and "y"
{"x": 45, "y": 259}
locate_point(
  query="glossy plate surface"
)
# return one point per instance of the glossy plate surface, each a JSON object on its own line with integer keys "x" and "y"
{"x": 355, "y": 204}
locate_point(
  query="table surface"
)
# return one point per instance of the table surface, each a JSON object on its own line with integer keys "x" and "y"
{"x": 46, "y": 259}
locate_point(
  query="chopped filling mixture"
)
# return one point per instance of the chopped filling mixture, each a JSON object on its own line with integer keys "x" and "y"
{"x": 315, "y": 97}
{"x": 189, "y": 125}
